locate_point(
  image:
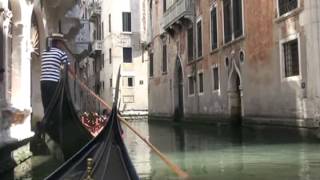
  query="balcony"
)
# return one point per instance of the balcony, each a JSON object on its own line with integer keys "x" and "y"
{"x": 94, "y": 11}
{"x": 176, "y": 13}
{"x": 97, "y": 45}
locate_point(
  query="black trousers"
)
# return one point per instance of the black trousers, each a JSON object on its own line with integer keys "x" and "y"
{"x": 48, "y": 89}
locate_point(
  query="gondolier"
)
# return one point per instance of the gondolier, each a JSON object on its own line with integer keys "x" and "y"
{"x": 53, "y": 58}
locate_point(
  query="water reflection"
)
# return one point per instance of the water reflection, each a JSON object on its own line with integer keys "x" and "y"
{"x": 139, "y": 152}
{"x": 209, "y": 152}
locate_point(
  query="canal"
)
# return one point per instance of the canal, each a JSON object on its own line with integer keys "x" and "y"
{"x": 211, "y": 152}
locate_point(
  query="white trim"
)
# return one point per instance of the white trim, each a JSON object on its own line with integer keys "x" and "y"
{"x": 215, "y": 91}
{"x": 287, "y": 13}
{"x": 282, "y": 70}
{"x": 197, "y": 53}
{"x": 191, "y": 95}
{"x": 198, "y": 82}
{"x": 213, "y": 6}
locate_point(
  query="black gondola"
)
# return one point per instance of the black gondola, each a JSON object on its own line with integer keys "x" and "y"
{"x": 62, "y": 123}
{"x": 104, "y": 157}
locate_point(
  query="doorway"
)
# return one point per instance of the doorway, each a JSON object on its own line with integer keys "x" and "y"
{"x": 235, "y": 98}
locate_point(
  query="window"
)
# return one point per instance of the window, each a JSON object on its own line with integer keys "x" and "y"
{"x": 226, "y": 61}
{"x": 99, "y": 28}
{"x": 109, "y": 22}
{"x": 95, "y": 66}
{"x": 199, "y": 39}
{"x": 291, "y": 58}
{"x": 103, "y": 85}
{"x": 102, "y": 62}
{"x": 126, "y": 22}
{"x": 151, "y": 65}
{"x": 215, "y": 73}
{"x": 127, "y": 55}
{"x": 191, "y": 85}
{"x": 164, "y": 6}
{"x": 237, "y": 18}
{"x": 200, "y": 82}
{"x": 130, "y": 81}
{"x": 141, "y": 82}
{"x": 190, "y": 43}
{"x": 110, "y": 55}
{"x": 286, "y": 6}
{"x": 241, "y": 57}
{"x": 232, "y": 19}
{"x": 214, "y": 41}
{"x": 164, "y": 58}
{"x": 110, "y": 82}
{"x": 227, "y": 20}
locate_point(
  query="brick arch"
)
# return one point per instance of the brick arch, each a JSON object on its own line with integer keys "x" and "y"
{"x": 234, "y": 71}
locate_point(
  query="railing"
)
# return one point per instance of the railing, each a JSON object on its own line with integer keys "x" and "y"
{"x": 177, "y": 10}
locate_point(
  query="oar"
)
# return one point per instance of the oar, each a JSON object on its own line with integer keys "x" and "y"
{"x": 173, "y": 166}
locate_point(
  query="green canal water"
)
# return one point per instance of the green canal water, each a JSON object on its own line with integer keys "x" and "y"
{"x": 216, "y": 153}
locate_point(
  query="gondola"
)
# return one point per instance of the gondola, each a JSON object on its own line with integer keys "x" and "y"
{"x": 62, "y": 123}
{"x": 104, "y": 157}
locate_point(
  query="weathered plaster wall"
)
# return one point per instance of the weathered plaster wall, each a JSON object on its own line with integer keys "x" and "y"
{"x": 267, "y": 96}
{"x": 116, "y": 40}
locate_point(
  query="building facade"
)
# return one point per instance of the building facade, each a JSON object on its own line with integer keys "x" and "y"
{"x": 235, "y": 61}
{"x": 87, "y": 47}
{"x": 24, "y": 26}
{"x": 124, "y": 33}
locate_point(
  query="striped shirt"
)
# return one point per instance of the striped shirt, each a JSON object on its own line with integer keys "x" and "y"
{"x": 51, "y": 63}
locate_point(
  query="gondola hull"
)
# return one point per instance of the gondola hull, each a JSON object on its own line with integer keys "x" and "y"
{"x": 107, "y": 153}
{"x": 62, "y": 123}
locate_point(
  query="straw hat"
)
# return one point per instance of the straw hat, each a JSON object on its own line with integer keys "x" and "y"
{"x": 57, "y": 36}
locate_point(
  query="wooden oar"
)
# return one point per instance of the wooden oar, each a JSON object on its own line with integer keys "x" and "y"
{"x": 173, "y": 166}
